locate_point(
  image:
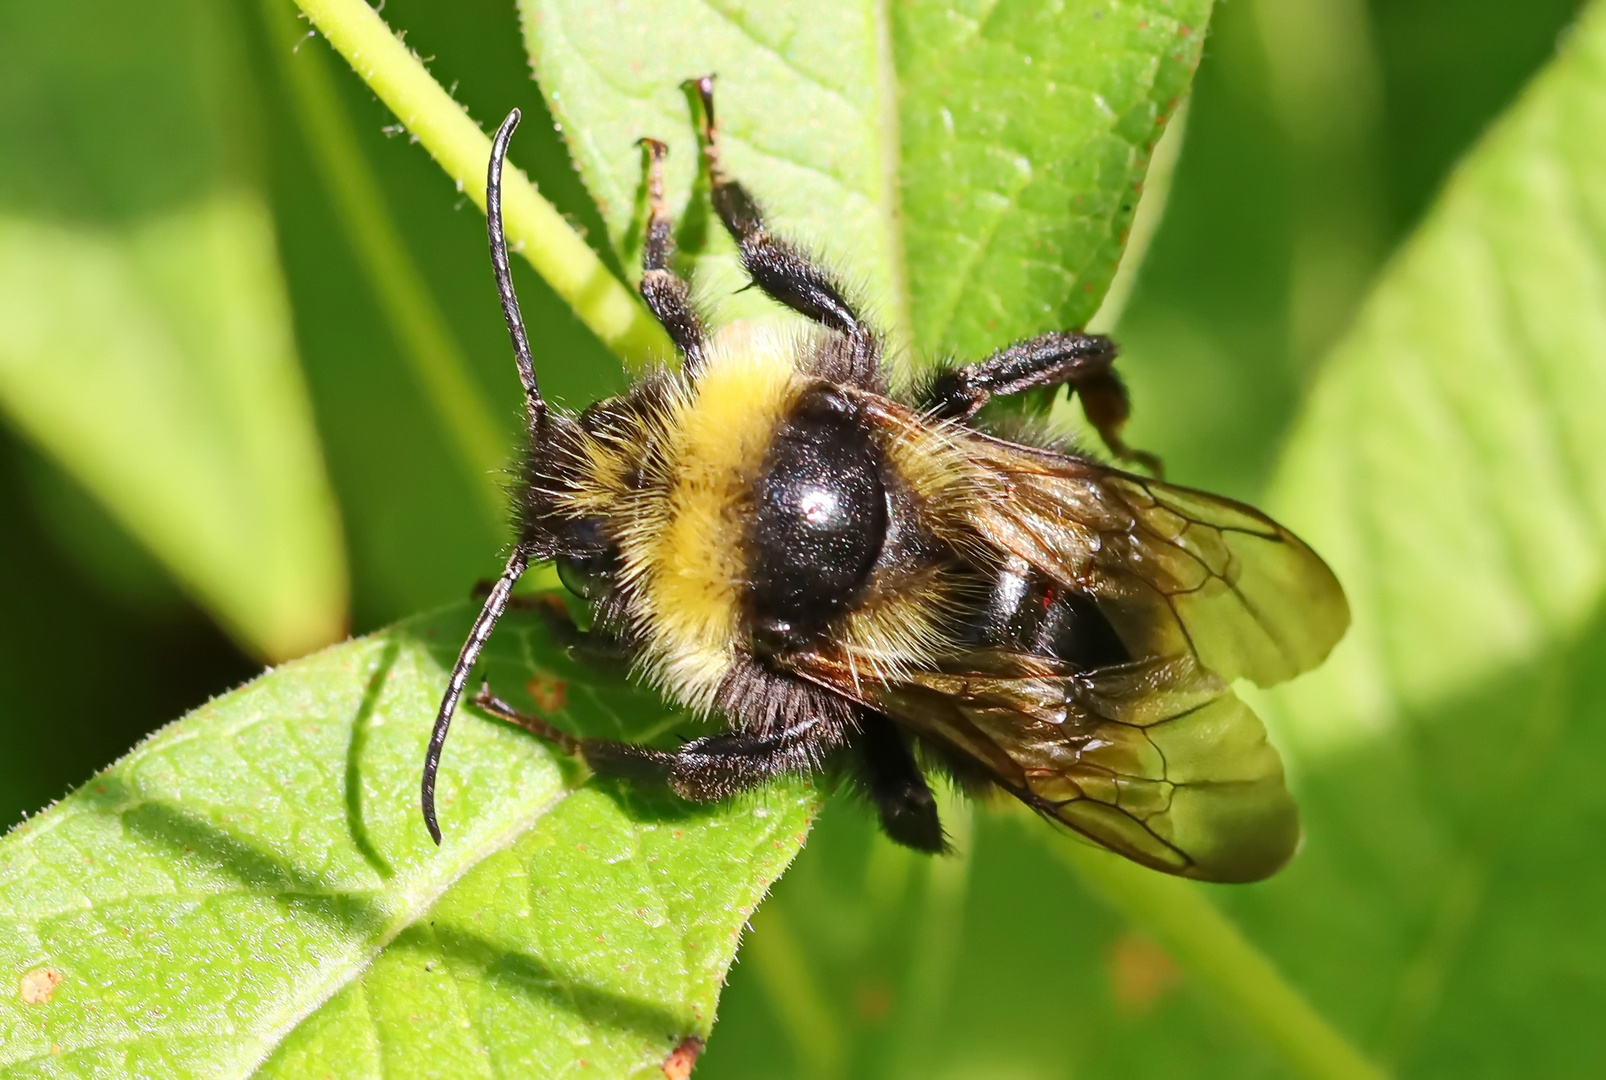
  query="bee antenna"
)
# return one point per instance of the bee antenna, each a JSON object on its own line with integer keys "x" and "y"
{"x": 496, "y": 601}
{"x": 504, "y": 275}
{"x": 495, "y": 604}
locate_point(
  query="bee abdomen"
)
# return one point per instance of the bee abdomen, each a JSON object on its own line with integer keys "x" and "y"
{"x": 1027, "y": 611}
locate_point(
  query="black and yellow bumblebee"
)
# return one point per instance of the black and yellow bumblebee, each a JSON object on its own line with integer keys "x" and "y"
{"x": 860, "y": 577}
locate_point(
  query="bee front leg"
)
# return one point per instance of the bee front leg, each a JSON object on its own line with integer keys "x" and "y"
{"x": 668, "y": 297}
{"x": 786, "y": 274}
{"x": 541, "y": 729}
{"x": 590, "y": 647}
{"x": 716, "y": 767}
{"x": 1084, "y": 361}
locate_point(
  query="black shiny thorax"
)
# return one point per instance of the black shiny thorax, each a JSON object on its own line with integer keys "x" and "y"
{"x": 819, "y": 519}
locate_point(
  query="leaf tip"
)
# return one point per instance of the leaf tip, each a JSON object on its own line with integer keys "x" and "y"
{"x": 683, "y": 1058}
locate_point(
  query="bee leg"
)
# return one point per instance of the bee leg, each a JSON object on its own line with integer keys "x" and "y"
{"x": 894, "y": 783}
{"x": 1084, "y": 361}
{"x": 704, "y": 770}
{"x": 587, "y": 646}
{"x": 667, "y": 295}
{"x": 785, "y": 274}
{"x": 712, "y": 768}
{"x": 536, "y": 726}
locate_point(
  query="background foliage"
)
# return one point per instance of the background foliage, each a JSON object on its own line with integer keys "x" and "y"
{"x": 1442, "y": 915}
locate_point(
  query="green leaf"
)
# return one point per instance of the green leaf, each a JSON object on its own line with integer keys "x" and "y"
{"x": 972, "y": 167}
{"x": 251, "y": 891}
{"x": 145, "y": 338}
{"x": 1452, "y": 467}
{"x": 462, "y": 409}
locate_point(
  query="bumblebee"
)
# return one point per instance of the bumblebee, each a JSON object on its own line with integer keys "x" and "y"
{"x": 857, "y": 576}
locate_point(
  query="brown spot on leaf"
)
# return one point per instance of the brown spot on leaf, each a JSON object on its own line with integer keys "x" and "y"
{"x": 550, "y": 693}
{"x": 678, "y": 1065}
{"x": 38, "y": 985}
{"x": 1141, "y": 973}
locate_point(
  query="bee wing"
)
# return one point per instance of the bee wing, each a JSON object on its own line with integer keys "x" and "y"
{"x": 1175, "y": 570}
{"x": 1157, "y": 759}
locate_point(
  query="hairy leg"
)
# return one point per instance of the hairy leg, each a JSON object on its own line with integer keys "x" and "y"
{"x": 785, "y": 274}
{"x": 1084, "y": 361}
{"x": 892, "y": 779}
{"x": 703, "y": 770}
{"x": 668, "y": 297}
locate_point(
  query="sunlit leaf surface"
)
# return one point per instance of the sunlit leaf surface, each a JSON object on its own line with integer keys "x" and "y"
{"x": 972, "y": 167}
{"x": 1452, "y": 466}
{"x": 252, "y": 891}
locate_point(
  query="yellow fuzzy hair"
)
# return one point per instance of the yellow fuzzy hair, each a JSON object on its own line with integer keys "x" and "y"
{"x": 932, "y": 460}
{"x": 677, "y": 482}
{"x": 685, "y": 553}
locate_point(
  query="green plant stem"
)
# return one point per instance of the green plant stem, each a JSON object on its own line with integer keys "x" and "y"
{"x": 1181, "y": 918}
{"x": 419, "y": 326}
{"x": 535, "y": 228}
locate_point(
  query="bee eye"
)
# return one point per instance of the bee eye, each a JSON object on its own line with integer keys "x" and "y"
{"x": 586, "y": 576}
{"x": 586, "y": 569}
{"x": 821, "y": 519}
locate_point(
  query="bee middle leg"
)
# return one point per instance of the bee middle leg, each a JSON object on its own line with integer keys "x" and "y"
{"x": 786, "y": 274}
{"x": 1084, "y": 361}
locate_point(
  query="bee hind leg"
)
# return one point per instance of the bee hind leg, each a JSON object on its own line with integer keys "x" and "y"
{"x": 892, "y": 780}
{"x": 1083, "y": 361}
{"x": 703, "y": 770}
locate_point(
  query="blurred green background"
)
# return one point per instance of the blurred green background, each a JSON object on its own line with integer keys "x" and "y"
{"x": 1319, "y": 130}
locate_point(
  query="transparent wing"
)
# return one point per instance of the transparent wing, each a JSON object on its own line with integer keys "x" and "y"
{"x": 1175, "y": 570}
{"x": 1157, "y": 760}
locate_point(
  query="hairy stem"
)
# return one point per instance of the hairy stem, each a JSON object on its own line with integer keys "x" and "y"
{"x": 1180, "y": 917}
{"x": 416, "y": 321}
{"x": 534, "y": 226}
